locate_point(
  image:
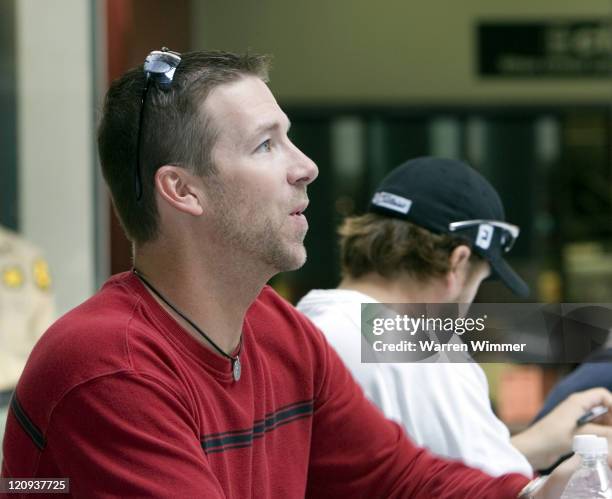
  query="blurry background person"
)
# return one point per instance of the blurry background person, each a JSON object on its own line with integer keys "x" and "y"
{"x": 405, "y": 251}
{"x": 26, "y": 310}
{"x": 596, "y": 370}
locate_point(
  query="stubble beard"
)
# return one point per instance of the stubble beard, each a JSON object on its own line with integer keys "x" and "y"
{"x": 259, "y": 237}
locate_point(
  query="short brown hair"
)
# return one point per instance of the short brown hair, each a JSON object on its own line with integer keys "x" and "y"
{"x": 174, "y": 130}
{"x": 388, "y": 246}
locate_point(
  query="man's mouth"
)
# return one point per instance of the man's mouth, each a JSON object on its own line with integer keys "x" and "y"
{"x": 299, "y": 210}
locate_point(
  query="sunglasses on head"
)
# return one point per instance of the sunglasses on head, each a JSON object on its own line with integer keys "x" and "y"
{"x": 159, "y": 66}
{"x": 509, "y": 232}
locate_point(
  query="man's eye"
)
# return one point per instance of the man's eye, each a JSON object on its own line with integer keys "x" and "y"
{"x": 264, "y": 146}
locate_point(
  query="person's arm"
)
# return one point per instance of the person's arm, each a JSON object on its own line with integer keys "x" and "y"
{"x": 557, "y": 481}
{"x": 128, "y": 435}
{"x": 551, "y": 437}
{"x": 356, "y": 452}
{"x": 445, "y": 407}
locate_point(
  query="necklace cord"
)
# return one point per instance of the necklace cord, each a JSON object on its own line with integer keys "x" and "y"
{"x": 189, "y": 321}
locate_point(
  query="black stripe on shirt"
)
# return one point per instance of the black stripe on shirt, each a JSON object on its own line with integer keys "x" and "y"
{"x": 257, "y": 421}
{"x": 26, "y": 424}
{"x": 219, "y": 442}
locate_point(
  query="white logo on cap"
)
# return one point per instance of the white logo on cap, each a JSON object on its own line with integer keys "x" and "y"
{"x": 392, "y": 202}
{"x": 485, "y": 236}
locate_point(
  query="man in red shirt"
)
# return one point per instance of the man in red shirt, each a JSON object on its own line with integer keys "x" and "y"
{"x": 188, "y": 377}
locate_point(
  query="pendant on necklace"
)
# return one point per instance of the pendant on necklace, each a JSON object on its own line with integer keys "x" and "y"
{"x": 236, "y": 368}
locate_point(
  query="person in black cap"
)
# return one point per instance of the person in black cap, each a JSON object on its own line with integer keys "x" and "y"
{"x": 449, "y": 197}
{"x": 435, "y": 229}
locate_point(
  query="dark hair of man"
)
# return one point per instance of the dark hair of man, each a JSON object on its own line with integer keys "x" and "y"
{"x": 175, "y": 130}
{"x": 388, "y": 246}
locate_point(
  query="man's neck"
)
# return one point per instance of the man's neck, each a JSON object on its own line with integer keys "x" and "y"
{"x": 398, "y": 290}
{"x": 213, "y": 294}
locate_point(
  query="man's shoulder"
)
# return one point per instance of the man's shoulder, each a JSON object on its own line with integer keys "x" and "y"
{"x": 87, "y": 341}
{"x": 270, "y": 305}
{"x": 333, "y": 310}
{"x": 106, "y": 312}
{"x": 278, "y": 325}
{"x": 332, "y": 300}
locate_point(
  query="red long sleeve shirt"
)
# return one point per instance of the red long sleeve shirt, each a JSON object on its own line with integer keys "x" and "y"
{"x": 120, "y": 399}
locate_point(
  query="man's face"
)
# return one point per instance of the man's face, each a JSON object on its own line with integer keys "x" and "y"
{"x": 259, "y": 191}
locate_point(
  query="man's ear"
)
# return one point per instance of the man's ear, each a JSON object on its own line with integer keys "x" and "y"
{"x": 459, "y": 258}
{"x": 180, "y": 189}
{"x": 459, "y": 266}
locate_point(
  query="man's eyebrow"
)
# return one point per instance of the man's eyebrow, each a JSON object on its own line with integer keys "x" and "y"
{"x": 270, "y": 125}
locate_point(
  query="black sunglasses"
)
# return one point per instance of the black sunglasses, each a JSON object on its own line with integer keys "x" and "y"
{"x": 160, "y": 66}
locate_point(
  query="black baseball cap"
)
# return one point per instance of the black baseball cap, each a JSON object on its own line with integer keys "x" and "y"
{"x": 448, "y": 196}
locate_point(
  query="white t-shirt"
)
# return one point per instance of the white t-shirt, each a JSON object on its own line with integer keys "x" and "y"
{"x": 444, "y": 406}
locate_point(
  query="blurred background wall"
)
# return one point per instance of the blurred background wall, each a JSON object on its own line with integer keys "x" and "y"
{"x": 47, "y": 128}
{"x": 418, "y": 52}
